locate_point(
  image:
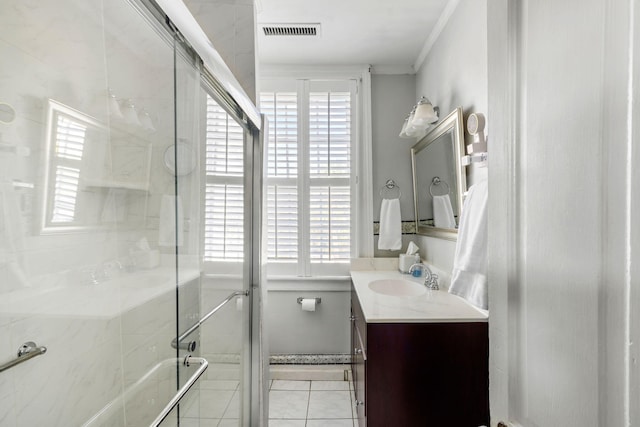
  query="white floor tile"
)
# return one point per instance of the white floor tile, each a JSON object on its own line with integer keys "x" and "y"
{"x": 291, "y": 385}
{"x": 219, "y": 384}
{"x": 330, "y": 423}
{"x": 329, "y": 385}
{"x": 329, "y": 404}
{"x": 213, "y": 403}
{"x": 199, "y": 422}
{"x": 288, "y": 404}
{"x": 287, "y": 423}
{"x": 233, "y": 410}
{"x": 228, "y": 423}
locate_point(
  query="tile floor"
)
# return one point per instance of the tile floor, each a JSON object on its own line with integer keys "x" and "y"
{"x": 311, "y": 404}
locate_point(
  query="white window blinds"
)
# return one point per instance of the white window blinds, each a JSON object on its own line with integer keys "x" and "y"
{"x": 309, "y": 174}
{"x": 224, "y": 192}
{"x": 69, "y": 148}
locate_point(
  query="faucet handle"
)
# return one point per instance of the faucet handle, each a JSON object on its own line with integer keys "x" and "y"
{"x": 432, "y": 282}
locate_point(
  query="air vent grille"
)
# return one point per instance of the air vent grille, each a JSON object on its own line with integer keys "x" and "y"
{"x": 291, "y": 29}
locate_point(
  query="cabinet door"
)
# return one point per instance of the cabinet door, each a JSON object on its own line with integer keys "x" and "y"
{"x": 358, "y": 358}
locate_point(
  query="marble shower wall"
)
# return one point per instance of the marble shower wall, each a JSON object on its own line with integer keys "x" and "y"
{"x": 230, "y": 25}
{"x": 105, "y": 320}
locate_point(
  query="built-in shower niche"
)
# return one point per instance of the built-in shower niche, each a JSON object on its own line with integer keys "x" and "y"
{"x": 94, "y": 175}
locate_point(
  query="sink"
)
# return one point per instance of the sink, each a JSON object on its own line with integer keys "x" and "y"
{"x": 397, "y": 287}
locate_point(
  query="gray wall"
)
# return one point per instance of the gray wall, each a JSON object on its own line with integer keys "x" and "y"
{"x": 324, "y": 331}
{"x": 392, "y": 97}
{"x": 454, "y": 74}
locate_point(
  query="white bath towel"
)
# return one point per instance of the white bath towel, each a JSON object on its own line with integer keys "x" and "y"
{"x": 170, "y": 229}
{"x": 469, "y": 277}
{"x": 390, "y": 236}
{"x": 443, "y": 212}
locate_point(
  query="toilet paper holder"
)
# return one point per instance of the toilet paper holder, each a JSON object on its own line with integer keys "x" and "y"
{"x": 318, "y": 300}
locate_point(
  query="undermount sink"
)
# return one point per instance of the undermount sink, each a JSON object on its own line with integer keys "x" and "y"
{"x": 397, "y": 287}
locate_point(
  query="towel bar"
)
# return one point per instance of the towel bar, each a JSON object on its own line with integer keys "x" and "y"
{"x": 191, "y": 345}
{"x": 183, "y": 390}
{"x": 390, "y": 185}
{"x": 27, "y": 351}
{"x": 437, "y": 181}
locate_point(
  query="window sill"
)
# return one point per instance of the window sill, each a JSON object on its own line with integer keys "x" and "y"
{"x": 311, "y": 284}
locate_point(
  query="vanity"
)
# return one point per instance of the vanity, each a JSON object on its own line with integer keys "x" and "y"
{"x": 420, "y": 357}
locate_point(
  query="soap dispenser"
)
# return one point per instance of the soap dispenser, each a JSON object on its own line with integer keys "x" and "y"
{"x": 416, "y": 269}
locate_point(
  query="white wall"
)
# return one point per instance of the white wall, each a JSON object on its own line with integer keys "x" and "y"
{"x": 453, "y": 74}
{"x": 563, "y": 213}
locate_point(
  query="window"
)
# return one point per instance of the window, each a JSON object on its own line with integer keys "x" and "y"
{"x": 69, "y": 148}
{"x": 224, "y": 204}
{"x": 309, "y": 176}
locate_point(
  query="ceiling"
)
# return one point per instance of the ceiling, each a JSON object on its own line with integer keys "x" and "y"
{"x": 376, "y": 32}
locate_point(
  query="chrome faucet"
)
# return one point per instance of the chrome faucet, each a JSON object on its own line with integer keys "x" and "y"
{"x": 430, "y": 279}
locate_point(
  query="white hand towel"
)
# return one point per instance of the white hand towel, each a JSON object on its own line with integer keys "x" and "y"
{"x": 443, "y": 212}
{"x": 469, "y": 278}
{"x": 170, "y": 230}
{"x": 390, "y": 236}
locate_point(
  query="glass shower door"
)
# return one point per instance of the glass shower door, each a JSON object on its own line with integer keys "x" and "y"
{"x": 220, "y": 297}
{"x": 113, "y": 210}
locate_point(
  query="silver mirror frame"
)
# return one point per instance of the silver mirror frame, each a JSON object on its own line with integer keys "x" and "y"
{"x": 451, "y": 123}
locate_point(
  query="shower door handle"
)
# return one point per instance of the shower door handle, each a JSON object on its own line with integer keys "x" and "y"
{"x": 184, "y": 389}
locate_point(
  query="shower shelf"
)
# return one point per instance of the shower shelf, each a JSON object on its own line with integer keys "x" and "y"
{"x": 117, "y": 185}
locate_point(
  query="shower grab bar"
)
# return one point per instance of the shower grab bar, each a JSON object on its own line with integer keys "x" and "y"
{"x": 27, "y": 351}
{"x": 183, "y": 390}
{"x": 191, "y": 345}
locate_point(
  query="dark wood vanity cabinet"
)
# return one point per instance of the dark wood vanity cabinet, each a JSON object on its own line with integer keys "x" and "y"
{"x": 419, "y": 374}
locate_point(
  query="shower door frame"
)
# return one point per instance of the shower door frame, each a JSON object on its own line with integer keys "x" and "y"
{"x": 254, "y": 410}
{"x": 254, "y": 397}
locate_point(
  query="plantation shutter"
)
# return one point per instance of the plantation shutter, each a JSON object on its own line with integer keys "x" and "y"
{"x": 224, "y": 190}
{"x": 282, "y": 174}
{"x": 309, "y": 175}
{"x": 69, "y": 147}
{"x": 330, "y": 173}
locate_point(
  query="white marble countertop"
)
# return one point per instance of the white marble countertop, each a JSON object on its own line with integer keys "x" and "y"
{"x": 430, "y": 307}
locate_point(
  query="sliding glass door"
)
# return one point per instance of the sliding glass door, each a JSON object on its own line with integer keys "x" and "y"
{"x": 126, "y": 223}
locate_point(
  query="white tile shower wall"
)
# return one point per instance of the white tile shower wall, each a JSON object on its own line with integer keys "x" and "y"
{"x": 58, "y": 50}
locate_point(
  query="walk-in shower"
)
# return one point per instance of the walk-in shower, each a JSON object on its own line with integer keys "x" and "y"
{"x": 129, "y": 232}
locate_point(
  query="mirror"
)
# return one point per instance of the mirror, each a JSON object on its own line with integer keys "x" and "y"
{"x": 89, "y": 172}
{"x": 439, "y": 178}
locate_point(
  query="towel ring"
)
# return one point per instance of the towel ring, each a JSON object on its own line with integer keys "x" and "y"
{"x": 389, "y": 186}
{"x": 437, "y": 181}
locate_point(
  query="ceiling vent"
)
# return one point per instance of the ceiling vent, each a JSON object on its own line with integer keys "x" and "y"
{"x": 291, "y": 29}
